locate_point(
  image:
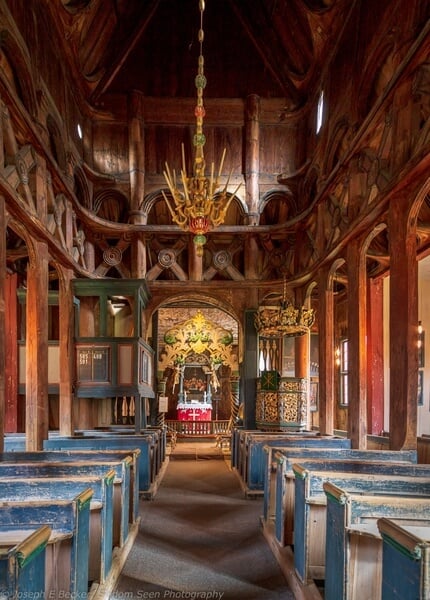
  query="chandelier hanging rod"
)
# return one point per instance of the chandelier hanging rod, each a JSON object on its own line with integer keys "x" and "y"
{"x": 195, "y": 204}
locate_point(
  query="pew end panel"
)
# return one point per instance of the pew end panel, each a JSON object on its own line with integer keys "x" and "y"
{"x": 22, "y": 562}
{"x": 69, "y": 541}
{"x": 352, "y": 519}
{"x": 101, "y": 509}
{"x": 405, "y": 560}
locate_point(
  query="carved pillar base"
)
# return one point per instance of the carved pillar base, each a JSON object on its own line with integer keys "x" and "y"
{"x": 284, "y": 408}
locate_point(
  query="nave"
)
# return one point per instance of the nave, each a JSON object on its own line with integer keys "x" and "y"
{"x": 200, "y": 537}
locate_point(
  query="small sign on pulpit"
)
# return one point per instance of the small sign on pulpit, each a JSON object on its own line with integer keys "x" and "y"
{"x": 163, "y": 404}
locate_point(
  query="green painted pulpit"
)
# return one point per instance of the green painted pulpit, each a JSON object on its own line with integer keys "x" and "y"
{"x": 113, "y": 359}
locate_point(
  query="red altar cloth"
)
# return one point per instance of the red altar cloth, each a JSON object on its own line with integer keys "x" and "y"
{"x": 197, "y": 411}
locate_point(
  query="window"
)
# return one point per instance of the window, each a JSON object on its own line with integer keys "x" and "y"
{"x": 343, "y": 372}
{"x": 320, "y": 112}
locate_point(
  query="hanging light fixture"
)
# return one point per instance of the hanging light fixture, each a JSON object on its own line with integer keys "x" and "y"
{"x": 195, "y": 205}
{"x": 283, "y": 320}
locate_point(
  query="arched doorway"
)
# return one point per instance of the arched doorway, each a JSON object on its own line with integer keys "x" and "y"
{"x": 197, "y": 368}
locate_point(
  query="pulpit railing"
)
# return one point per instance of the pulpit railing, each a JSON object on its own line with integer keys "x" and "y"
{"x": 198, "y": 428}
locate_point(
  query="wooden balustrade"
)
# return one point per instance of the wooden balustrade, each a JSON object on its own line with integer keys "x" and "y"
{"x": 198, "y": 428}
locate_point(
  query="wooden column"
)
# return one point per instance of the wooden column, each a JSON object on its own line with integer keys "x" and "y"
{"x": 375, "y": 358}
{"x": 67, "y": 357}
{"x": 36, "y": 356}
{"x": 302, "y": 365}
{"x": 252, "y": 161}
{"x": 403, "y": 327}
{"x": 137, "y": 182}
{"x": 195, "y": 262}
{"x": 357, "y": 349}
{"x": 252, "y": 254}
{"x": 2, "y": 318}
{"x": 249, "y": 370}
{"x": 326, "y": 356}
{"x": 11, "y": 354}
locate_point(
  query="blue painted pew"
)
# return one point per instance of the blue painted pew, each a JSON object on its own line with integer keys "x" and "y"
{"x": 405, "y": 560}
{"x": 61, "y": 488}
{"x": 245, "y": 436}
{"x": 277, "y": 463}
{"x": 89, "y": 456}
{"x": 144, "y": 443}
{"x": 157, "y": 449}
{"x": 256, "y": 464}
{"x": 160, "y": 433}
{"x": 68, "y": 546}
{"x": 310, "y": 508}
{"x": 22, "y": 563}
{"x": 279, "y": 486}
{"x": 152, "y": 445}
{"x": 353, "y": 543}
{"x": 121, "y": 499}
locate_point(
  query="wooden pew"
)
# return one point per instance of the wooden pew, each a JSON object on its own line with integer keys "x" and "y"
{"x": 255, "y": 462}
{"x": 277, "y": 463}
{"x": 63, "y": 456}
{"x": 353, "y": 543}
{"x": 101, "y": 510}
{"x": 67, "y": 557}
{"x": 157, "y": 435}
{"x": 159, "y": 431}
{"x": 121, "y": 498}
{"x": 114, "y": 442}
{"x": 279, "y": 486}
{"x": 405, "y": 560}
{"x": 247, "y": 437}
{"x": 310, "y": 508}
{"x": 239, "y": 437}
{"x": 145, "y": 443}
{"x": 22, "y": 563}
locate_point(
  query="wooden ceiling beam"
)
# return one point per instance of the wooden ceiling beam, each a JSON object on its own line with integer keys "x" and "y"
{"x": 121, "y": 51}
{"x": 266, "y": 41}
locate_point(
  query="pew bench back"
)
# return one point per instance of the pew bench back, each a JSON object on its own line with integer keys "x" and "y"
{"x": 255, "y": 461}
{"x": 279, "y": 497}
{"x": 114, "y": 442}
{"x": 101, "y": 513}
{"x": 353, "y": 544}
{"x": 121, "y": 501}
{"x": 89, "y": 456}
{"x": 69, "y": 520}
{"x": 310, "y": 509}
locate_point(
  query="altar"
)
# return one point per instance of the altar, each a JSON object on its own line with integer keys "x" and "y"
{"x": 194, "y": 411}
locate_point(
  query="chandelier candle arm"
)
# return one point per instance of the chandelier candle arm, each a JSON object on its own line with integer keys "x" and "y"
{"x": 186, "y": 191}
{"x": 211, "y": 186}
{"x": 184, "y": 164}
{"x": 221, "y": 164}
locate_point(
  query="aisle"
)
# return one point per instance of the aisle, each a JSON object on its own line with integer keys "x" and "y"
{"x": 200, "y": 538}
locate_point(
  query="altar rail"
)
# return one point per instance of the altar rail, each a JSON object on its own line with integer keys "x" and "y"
{"x": 198, "y": 428}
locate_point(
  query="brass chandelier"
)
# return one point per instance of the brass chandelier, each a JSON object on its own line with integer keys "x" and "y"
{"x": 283, "y": 320}
{"x": 195, "y": 204}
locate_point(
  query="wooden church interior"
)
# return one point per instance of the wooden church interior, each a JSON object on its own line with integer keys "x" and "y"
{"x": 296, "y": 308}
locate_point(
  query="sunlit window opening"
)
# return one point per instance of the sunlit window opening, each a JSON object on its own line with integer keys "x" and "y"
{"x": 320, "y": 111}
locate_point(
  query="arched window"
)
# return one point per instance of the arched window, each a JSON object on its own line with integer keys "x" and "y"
{"x": 320, "y": 112}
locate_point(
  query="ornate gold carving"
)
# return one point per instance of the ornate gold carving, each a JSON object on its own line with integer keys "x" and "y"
{"x": 198, "y": 336}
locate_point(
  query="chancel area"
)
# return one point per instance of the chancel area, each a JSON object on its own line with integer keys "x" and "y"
{"x": 214, "y": 243}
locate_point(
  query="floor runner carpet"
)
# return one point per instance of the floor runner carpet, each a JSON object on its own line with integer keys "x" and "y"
{"x": 200, "y": 538}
